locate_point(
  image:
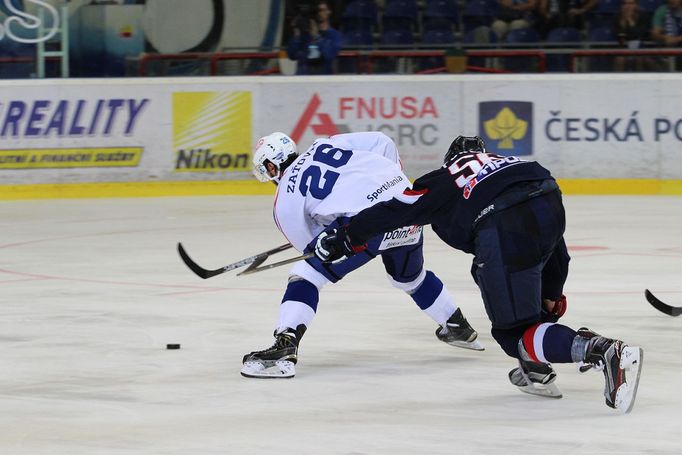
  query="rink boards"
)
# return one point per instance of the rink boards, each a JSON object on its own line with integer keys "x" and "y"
{"x": 599, "y": 134}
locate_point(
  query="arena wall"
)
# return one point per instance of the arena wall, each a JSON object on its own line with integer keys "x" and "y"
{"x": 599, "y": 134}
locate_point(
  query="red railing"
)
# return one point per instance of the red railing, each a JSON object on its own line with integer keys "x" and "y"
{"x": 365, "y": 59}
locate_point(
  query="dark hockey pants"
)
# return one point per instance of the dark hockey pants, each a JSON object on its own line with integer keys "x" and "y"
{"x": 520, "y": 259}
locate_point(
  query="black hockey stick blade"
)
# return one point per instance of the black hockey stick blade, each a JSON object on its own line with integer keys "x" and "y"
{"x": 254, "y": 261}
{"x": 660, "y": 306}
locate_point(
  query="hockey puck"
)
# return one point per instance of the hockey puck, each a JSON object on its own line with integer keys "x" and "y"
{"x": 172, "y": 346}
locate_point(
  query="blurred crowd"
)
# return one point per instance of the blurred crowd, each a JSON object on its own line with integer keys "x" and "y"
{"x": 408, "y": 24}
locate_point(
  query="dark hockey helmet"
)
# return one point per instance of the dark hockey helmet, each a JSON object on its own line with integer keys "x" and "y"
{"x": 464, "y": 144}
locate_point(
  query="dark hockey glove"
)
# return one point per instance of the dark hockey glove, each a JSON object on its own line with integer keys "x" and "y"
{"x": 552, "y": 310}
{"x": 333, "y": 245}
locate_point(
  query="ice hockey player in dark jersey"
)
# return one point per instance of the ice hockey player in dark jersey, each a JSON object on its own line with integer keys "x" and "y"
{"x": 509, "y": 214}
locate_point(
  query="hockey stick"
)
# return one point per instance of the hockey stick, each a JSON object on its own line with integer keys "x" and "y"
{"x": 253, "y": 262}
{"x": 253, "y": 268}
{"x": 660, "y": 306}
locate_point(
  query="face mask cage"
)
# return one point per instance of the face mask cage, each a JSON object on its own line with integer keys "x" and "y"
{"x": 261, "y": 173}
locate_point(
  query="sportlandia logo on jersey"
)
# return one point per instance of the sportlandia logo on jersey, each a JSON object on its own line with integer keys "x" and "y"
{"x": 507, "y": 127}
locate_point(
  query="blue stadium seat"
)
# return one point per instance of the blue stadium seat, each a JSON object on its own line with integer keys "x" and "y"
{"x": 478, "y": 12}
{"x": 567, "y": 36}
{"x": 604, "y": 13}
{"x": 596, "y": 36}
{"x": 564, "y": 35}
{"x": 358, "y": 37}
{"x": 359, "y": 15}
{"x": 601, "y": 35}
{"x": 442, "y": 8}
{"x": 611, "y": 7}
{"x": 440, "y": 15}
{"x": 438, "y": 36}
{"x": 649, "y": 6}
{"x": 470, "y": 36}
{"x": 523, "y": 36}
{"x": 400, "y": 15}
{"x": 435, "y": 37}
{"x": 397, "y": 37}
{"x": 401, "y": 8}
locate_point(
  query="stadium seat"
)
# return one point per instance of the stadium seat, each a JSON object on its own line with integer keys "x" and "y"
{"x": 400, "y": 14}
{"x": 438, "y": 36}
{"x": 601, "y": 35}
{"x": 442, "y": 8}
{"x": 358, "y": 37}
{"x": 564, "y": 36}
{"x": 523, "y": 36}
{"x": 603, "y": 14}
{"x": 470, "y": 38}
{"x": 353, "y": 39}
{"x": 611, "y": 7}
{"x": 440, "y": 15}
{"x": 470, "y": 35}
{"x": 397, "y": 37}
{"x": 649, "y": 6}
{"x": 359, "y": 15}
{"x": 478, "y": 12}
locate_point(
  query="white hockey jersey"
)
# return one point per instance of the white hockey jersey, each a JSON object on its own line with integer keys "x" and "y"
{"x": 336, "y": 176}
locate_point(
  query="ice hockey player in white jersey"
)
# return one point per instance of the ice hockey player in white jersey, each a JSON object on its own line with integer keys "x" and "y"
{"x": 333, "y": 180}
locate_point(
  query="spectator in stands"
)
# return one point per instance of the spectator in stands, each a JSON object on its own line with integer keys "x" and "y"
{"x": 562, "y": 13}
{"x": 631, "y": 28}
{"x": 667, "y": 24}
{"x": 512, "y": 15}
{"x": 315, "y": 43}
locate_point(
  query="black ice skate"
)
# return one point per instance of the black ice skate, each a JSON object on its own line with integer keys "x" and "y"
{"x": 615, "y": 359}
{"x": 535, "y": 378}
{"x": 457, "y": 332}
{"x": 279, "y": 360}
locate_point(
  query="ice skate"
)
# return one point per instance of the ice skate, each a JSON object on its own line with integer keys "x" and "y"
{"x": 621, "y": 365}
{"x": 279, "y": 360}
{"x": 457, "y": 332}
{"x": 535, "y": 378}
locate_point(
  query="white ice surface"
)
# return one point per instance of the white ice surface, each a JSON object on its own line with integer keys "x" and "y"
{"x": 92, "y": 290}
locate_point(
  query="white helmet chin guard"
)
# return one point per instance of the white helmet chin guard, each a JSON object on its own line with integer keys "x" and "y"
{"x": 275, "y": 148}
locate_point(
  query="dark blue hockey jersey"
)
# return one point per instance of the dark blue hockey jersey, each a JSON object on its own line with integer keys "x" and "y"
{"x": 453, "y": 198}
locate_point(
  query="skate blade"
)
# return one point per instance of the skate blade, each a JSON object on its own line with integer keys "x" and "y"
{"x": 473, "y": 345}
{"x": 282, "y": 369}
{"x": 520, "y": 380}
{"x": 541, "y": 390}
{"x": 631, "y": 362}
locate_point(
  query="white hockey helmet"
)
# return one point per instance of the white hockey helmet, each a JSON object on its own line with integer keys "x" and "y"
{"x": 276, "y": 148}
